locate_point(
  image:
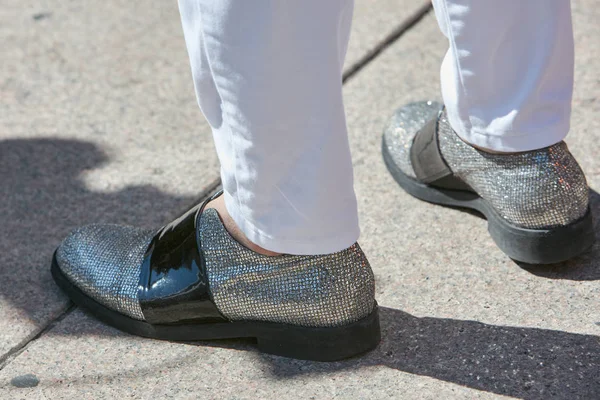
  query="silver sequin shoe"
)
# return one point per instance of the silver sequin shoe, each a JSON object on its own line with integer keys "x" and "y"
{"x": 190, "y": 280}
{"x": 536, "y": 202}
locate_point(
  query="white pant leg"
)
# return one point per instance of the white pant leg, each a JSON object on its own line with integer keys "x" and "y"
{"x": 507, "y": 79}
{"x": 268, "y": 77}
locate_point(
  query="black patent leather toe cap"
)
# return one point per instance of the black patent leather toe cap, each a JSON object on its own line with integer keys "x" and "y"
{"x": 173, "y": 285}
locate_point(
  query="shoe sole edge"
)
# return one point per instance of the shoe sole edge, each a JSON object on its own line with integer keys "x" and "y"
{"x": 305, "y": 343}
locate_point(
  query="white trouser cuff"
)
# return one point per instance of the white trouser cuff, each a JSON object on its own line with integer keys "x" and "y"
{"x": 508, "y": 142}
{"x": 317, "y": 244}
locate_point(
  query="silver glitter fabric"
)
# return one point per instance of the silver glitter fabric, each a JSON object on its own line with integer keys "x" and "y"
{"x": 402, "y": 129}
{"x": 104, "y": 261}
{"x": 537, "y": 189}
{"x": 316, "y": 291}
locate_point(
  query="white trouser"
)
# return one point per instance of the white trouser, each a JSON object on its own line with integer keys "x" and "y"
{"x": 507, "y": 79}
{"x": 268, "y": 77}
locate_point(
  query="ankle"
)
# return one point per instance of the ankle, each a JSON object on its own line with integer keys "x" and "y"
{"x": 219, "y": 205}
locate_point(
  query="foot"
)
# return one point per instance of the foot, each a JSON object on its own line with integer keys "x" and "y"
{"x": 190, "y": 280}
{"x": 536, "y": 202}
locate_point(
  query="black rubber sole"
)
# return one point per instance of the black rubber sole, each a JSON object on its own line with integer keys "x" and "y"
{"x": 316, "y": 344}
{"x": 532, "y": 246}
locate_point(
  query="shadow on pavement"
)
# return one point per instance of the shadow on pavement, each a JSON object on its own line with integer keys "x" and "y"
{"x": 43, "y": 198}
{"x": 527, "y": 363}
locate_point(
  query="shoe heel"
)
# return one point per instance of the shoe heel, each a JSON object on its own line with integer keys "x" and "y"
{"x": 543, "y": 246}
{"x": 322, "y": 344}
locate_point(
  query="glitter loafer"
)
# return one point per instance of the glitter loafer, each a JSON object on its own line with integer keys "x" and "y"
{"x": 192, "y": 281}
{"x": 536, "y": 203}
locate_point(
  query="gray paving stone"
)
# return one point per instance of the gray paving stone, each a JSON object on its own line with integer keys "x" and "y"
{"x": 90, "y": 94}
{"x": 459, "y": 319}
{"x": 99, "y": 123}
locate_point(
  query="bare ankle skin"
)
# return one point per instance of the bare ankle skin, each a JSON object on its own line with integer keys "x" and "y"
{"x": 235, "y": 232}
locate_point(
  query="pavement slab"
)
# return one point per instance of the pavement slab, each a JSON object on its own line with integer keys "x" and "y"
{"x": 92, "y": 118}
{"x": 459, "y": 319}
{"x": 99, "y": 123}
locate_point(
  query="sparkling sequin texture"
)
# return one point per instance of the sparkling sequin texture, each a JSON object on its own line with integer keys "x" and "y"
{"x": 317, "y": 291}
{"x": 403, "y": 127}
{"x": 104, "y": 261}
{"x": 537, "y": 189}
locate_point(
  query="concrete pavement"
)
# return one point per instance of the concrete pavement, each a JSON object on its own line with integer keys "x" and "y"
{"x": 99, "y": 123}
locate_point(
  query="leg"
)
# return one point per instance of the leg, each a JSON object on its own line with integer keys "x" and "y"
{"x": 507, "y": 82}
{"x": 268, "y": 76}
{"x": 507, "y": 79}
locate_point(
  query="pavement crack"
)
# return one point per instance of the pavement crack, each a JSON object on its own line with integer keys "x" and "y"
{"x": 208, "y": 191}
{"x": 13, "y": 353}
{"x": 389, "y": 40}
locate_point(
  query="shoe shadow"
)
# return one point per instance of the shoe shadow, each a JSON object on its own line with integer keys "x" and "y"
{"x": 527, "y": 363}
{"x": 43, "y": 198}
{"x": 585, "y": 267}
